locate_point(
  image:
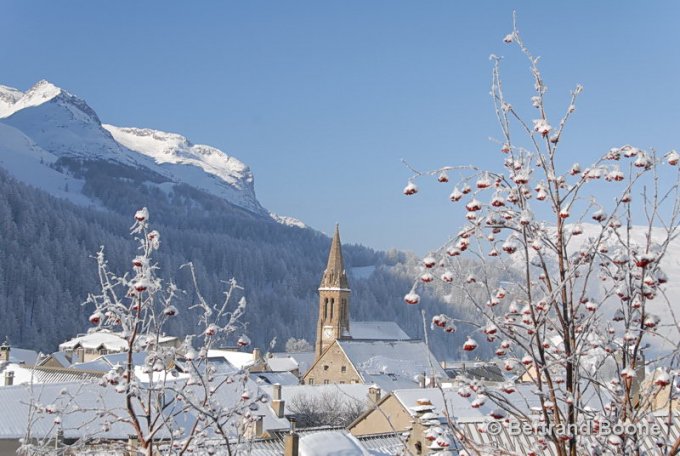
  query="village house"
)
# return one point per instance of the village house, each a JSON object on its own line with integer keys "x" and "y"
{"x": 88, "y": 347}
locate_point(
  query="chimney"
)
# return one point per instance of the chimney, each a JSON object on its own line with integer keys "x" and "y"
{"x": 291, "y": 441}
{"x": 9, "y": 378}
{"x": 374, "y": 394}
{"x": 59, "y": 440}
{"x": 278, "y": 405}
{"x": 132, "y": 444}
{"x": 4, "y": 350}
{"x": 259, "y": 428}
{"x": 421, "y": 380}
{"x": 257, "y": 354}
{"x": 416, "y": 441}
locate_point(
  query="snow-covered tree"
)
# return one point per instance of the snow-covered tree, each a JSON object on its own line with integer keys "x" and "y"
{"x": 564, "y": 264}
{"x": 294, "y": 345}
{"x": 170, "y": 398}
{"x": 331, "y": 408}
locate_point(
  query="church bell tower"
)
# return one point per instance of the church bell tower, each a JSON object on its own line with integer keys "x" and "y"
{"x": 334, "y": 294}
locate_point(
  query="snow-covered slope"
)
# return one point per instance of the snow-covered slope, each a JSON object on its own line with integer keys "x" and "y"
{"x": 204, "y": 167}
{"x": 8, "y": 98}
{"x": 666, "y": 300}
{"x": 42, "y": 92}
{"x": 64, "y": 125}
{"x": 29, "y": 163}
{"x": 288, "y": 221}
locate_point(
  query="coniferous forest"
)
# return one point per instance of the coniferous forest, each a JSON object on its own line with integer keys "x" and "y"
{"x": 47, "y": 265}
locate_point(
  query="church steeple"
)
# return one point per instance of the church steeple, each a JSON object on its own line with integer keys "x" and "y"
{"x": 335, "y": 276}
{"x": 334, "y": 294}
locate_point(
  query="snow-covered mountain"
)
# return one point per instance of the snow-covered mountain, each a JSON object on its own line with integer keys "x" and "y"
{"x": 64, "y": 126}
{"x": 8, "y": 98}
{"x": 202, "y": 199}
{"x": 32, "y": 164}
{"x": 204, "y": 167}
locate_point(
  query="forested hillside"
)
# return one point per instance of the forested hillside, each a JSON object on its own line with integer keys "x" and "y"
{"x": 47, "y": 269}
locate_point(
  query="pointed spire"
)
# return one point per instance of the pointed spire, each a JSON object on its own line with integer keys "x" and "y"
{"x": 334, "y": 276}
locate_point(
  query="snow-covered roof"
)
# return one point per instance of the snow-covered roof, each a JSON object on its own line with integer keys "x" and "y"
{"x": 383, "y": 444}
{"x": 21, "y": 373}
{"x": 282, "y": 364}
{"x": 77, "y": 405}
{"x": 391, "y": 364}
{"x": 100, "y": 339}
{"x": 271, "y": 378}
{"x": 59, "y": 357}
{"x": 355, "y": 392}
{"x": 377, "y": 445}
{"x": 524, "y": 401}
{"x": 105, "y": 362}
{"x": 304, "y": 360}
{"x": 519, "y": 442}
{"x": 239, "y": 360}
{"x": 386, "y": 330}
{"x": 107, "y": 340}
{"x": 475, "y": 370}
{"x": 458, "y": 406}
{"x": 228, "y": 395}
{"x": 41, "y": 375}
{"x": 77, "y": 424}
{"x": 23, "y": 356}
{"x": 331, "y": 443}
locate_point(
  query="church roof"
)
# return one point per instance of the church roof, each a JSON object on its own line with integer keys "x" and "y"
{"x": 335, "y": 276}
{"x": 386, "y": 330}
{"x": 391, "y": 364}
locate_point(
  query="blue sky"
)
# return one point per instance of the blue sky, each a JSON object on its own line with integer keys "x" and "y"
{"x": 323, "y": 99}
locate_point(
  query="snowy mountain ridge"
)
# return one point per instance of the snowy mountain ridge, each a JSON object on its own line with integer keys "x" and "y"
{"x": 8, "y": 98}
{"x": 167, "y": 149}
{"x": 65, "y": 126}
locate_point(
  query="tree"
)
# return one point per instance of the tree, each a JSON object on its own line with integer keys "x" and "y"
{"x": 330, "y": 408}
{"x": 567, "y": 284}
{"x": 294, "y": 345}
{"x": 177, "y": 398}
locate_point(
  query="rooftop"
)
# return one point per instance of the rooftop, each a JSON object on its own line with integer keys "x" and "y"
{"x": 391, "y": 364}
{"x": 384, "y": 330}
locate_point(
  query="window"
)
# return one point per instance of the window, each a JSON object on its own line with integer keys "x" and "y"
{"x": 354, "y": 382}
{"x": 343, "y": 369}
{"x": 310, "y": 381}
{"x": 341, "y": 382}
{"x": 325, "y": 308}
{"x": 332, "y": 305}
{"x": 326, "y": 382}
{"x": 325, "y": 368}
